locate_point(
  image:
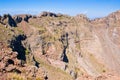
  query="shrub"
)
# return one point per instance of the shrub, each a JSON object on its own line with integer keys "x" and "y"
{"x": 27, "y": 52}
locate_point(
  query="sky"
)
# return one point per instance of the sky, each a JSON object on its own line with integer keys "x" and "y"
{"x": 92, "y": 8}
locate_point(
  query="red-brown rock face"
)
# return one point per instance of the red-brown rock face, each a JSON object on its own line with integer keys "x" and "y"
{"x": 61, "y": 47}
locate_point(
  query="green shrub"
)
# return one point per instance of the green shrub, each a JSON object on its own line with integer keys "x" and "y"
{"x": 39, "y": 78}
{"x": 27, "y": 52}
{"x": 103, "y": 70}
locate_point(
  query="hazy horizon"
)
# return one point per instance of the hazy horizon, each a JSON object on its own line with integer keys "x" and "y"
{"x": 93, "y": 8}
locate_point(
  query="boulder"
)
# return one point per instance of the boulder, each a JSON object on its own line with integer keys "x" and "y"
{"x": 34, "y": 16}
{"x": 27, "y": 17}
{"x": 73, "y": 74}
{"x": 11, "y": 21}
{"x": 22, "y": 17}
{"x": 18, "y": 19}
{"x": 8, "y": 20}
{"x": 59, "y": 15}
{"x": 0, "y": 18}
{"x": 5, "y": 16}
{"x": 50, "y": 14}
{"x": 10, "y": 68}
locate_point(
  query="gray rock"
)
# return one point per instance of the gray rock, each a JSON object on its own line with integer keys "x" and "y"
{"x": 50, "y": 14}
{"x": 18, "y": 19}
{"x": 59, "y": 15}
{"x": 8, "y": 20}
{"x": 73, "y": 74}
{"x": 0, "y": 18}
{"x": 34, "y": 16}
{"x": 27, "y": 17}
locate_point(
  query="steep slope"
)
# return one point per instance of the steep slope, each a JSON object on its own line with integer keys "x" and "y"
{"x": 62, "y": 47}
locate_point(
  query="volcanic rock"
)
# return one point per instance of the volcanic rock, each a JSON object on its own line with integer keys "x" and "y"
{"x": 61, "y": 47}
{"x": 18, "y": 19}
{"x": 50, "y": 14}
{"x": 7, "y": 19}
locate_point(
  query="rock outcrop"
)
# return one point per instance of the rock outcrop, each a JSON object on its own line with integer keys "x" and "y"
{"x": 60, "y": 47}
{"x": 8, "y": 60}
{"x": 22, "y": 17}
{"x": 50, "y": 14}
{"x": 8, "y": 20}
{"x": 18, "y": 19}
{"x": 10, "y": 64}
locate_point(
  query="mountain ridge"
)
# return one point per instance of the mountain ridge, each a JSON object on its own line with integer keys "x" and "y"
{"x": 53, "y": 46}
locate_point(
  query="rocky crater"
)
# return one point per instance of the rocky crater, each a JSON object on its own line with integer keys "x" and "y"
{"x": 52, "y": 46}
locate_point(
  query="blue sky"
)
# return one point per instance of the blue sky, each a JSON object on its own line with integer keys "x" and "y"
{"x": 92, "y": 8}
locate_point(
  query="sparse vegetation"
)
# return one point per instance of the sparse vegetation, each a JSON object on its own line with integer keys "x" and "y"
{"x": 27, "y": 52}
{"x": 98, "y": 66}
{"x": 61, "y": 47}
{"x": 39, "y": 78}
{"x": 15, "y": 76}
